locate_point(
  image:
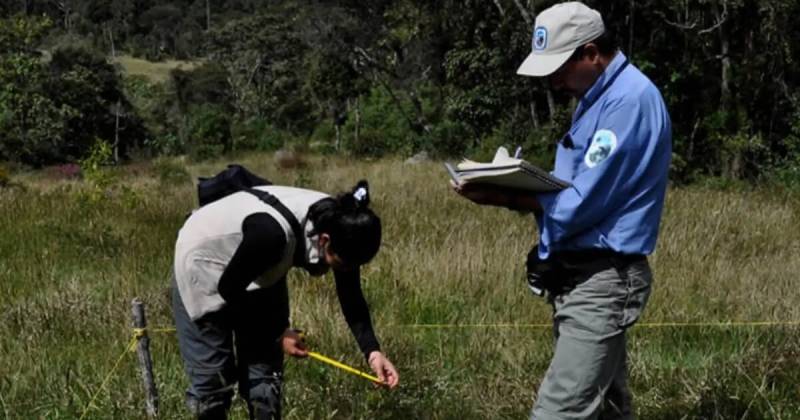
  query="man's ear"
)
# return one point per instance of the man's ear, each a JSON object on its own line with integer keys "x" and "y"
{"x": 324, "y": 239}
{"x": 591, "y": 52}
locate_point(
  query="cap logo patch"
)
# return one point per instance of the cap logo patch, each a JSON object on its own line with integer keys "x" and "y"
{"x": 603, "y": 144}
{"x": 540, "y": 38}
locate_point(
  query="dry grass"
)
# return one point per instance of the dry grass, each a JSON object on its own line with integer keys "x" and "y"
{"x": 69, "y": 268}
{"x": 154, "y": 71}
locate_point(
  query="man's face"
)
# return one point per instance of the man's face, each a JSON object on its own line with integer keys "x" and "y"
{"x": 578, "y": 74}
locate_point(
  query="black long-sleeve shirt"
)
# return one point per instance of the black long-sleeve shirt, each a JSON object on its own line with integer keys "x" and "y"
{"x": 263, "y": 244}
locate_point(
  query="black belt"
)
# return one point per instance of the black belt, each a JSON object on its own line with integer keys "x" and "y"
{"x": 565, "y": 270}
{"x": 592, "y": 261}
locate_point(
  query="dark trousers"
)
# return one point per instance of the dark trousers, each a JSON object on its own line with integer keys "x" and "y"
{"x": 236, "y": 345}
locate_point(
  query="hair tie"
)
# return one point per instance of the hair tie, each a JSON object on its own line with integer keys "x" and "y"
{"x": 361, "y": 194}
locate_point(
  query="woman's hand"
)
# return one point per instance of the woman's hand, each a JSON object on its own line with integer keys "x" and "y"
{"x": 384, "y": 369}
{"x": 293, "y": 343}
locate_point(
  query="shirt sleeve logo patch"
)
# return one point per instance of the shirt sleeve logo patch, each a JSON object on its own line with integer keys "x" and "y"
{"x": 603, "y": 144}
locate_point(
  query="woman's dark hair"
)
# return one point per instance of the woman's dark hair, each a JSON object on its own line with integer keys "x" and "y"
{"x": 354, "y": 229}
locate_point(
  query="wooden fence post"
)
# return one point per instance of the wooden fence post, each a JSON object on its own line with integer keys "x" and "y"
{"x": 145, "y": 362}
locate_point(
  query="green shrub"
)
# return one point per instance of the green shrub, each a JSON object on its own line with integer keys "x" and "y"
{"x": 721, "y": 183}
{"x": 383, "y": 127}
{"x": 95, "y": 173}
{"x": 205, "y": 84}
{"x": 202, "y": 152}
{"x": 167, "y": 144}
{"x": 93, "y": 165}
{"x": 209, "y": 132}
{"x": 785, "y": 176}
{"x": 259, "y": 134}
{"x": 154, "y": 104}
{"x": 370, "y": 142}
{"x": 324, "y": 132}
{"x": 448, "y": 138}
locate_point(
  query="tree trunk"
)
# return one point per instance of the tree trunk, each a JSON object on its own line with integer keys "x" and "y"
{"x": 725, "y": 76}
{"x": 338, "y": 136}
{"x": 338, "y": 127}
{"x": 524, "y": 12}
{"x": 23, "y": 125}
{"x": 631, "y": 12}
{"x": 551, "y": 103}
{"x": 208, "y": 15}
{"x": 500, "y": 8}
{"x": 67, "y": 11}
{"x": 526, "y": 16}
{"x": 111, "y": 41}
{"x": 534, "y": 117}
{"x": 358, "y": 120}
{"x": 732, "y": 163}
{"x": 421, "y": 120}
{"x": 690, "y": 146}
{"x": 117, "y": 111}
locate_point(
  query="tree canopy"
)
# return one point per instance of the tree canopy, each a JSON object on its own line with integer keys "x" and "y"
{"x": 387, "y": 76}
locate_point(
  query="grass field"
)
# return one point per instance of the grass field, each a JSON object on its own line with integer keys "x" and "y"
{"x": 70, "y": 265}
{"x": 153, "y": 71}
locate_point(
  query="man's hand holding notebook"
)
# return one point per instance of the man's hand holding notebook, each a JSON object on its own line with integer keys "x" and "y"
{"x": 506, "y": 172}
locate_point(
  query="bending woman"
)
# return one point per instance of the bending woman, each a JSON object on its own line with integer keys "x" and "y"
{"x": 230, "y": 298}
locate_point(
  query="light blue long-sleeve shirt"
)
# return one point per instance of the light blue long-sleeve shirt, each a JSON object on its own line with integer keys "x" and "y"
{"x": 616, "y": 156}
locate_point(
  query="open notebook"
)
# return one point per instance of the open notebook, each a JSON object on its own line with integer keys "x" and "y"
{"x": 505, "y": 171}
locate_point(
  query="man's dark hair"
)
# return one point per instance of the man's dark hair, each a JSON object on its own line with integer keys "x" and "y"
{"x": 606, "y": 45}
{"x": 354, "y": 229}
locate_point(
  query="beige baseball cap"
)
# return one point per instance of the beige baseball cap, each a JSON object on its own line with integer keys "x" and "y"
{"x": 558, "y": 31}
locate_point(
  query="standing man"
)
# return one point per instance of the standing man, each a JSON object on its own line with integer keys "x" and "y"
{"x": 594, "y": 235}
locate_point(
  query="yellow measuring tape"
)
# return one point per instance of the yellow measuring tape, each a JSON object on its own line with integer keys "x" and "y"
{"x": 639, "y": 325}
{"x": 131, "y": 345}
{"x": 344, "y": 367}
{"x": 335, "y": 363}
{"x": 139, "y": 332}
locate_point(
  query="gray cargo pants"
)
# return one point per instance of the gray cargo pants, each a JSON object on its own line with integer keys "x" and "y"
{"x": 587, "y": 377}
{"x": 235, "y": 345}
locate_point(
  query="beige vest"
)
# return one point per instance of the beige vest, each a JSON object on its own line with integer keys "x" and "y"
{"x": 211, "y": 235}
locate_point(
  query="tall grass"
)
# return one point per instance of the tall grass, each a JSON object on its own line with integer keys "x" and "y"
{"x": 69, "y": 266}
